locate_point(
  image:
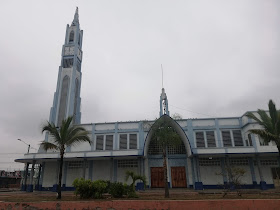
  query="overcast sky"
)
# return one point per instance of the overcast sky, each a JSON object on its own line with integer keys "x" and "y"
{"x": 220, "y": 58}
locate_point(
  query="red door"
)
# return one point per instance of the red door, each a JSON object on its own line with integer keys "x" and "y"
{"x": 178, "y": 175}
{"x": 157, "y": 177}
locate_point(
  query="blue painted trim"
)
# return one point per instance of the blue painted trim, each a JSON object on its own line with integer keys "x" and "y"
{"x": 218, "y": 133}
{"x": 29, "y": 188}
{"x": 198, "y": 186}
{"x": 193, "y": 171}
{"x": 263, "y": 185}
{"x": 116, "y": 138}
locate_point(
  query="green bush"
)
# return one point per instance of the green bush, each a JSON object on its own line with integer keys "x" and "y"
{"x": 117, "y": 189}
{"x": 84, "y": 188}
{"x": 99, "y": 187}
{"x": 89, "y": 189}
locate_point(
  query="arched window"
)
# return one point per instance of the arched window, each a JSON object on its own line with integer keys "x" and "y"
{"x": 71, "y": 37}
{"x": 63, "y": 100}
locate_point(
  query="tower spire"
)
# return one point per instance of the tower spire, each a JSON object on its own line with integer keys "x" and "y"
{"x": 163, "y": 99}
{"x": 76, "y": 17}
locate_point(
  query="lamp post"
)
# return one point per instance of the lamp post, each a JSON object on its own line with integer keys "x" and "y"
{"x": 23, "y": 188}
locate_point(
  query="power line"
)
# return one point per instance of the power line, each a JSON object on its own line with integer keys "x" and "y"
{"x": 192, "y": 111}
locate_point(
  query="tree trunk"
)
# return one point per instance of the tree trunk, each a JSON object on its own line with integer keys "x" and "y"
{"x": 278, "y": 147}
{"x": 60, "y": 174}
{"x": 165, "y": 173}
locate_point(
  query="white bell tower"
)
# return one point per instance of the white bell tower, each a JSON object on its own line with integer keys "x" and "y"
{"x": 67, "y": 99}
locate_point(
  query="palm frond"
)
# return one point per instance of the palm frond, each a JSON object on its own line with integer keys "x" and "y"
{"x": 252, "y": 116}
{"x": 272, "y": 112}
{"x": 47, "y": 146}
{"x": 267, "y": 136}
{"x": 53, "y": 132}
{"x": 79, "y": 135}
{"x": 65, "y": 126}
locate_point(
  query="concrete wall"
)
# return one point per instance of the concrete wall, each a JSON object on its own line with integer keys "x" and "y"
{"x": 50, "y": 174}
{"x": 101, "y": 170}
{"x": 209, "y": 176}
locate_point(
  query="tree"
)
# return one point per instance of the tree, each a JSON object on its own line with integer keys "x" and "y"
{"x": 270, "y": 124}
{"x": 134, "y": 178}
{"x": 66, "y": 135}
{"x": 165, "y": 135}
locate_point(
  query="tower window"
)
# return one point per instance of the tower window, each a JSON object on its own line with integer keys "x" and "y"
{"x": 71, "y": 37}
{"x": 68, "y": 62}
{"x": 79, "y": 39}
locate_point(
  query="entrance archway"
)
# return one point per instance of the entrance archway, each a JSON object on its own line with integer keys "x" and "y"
{"x": 177, "y": 158}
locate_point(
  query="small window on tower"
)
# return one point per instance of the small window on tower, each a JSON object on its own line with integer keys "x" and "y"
{"x": 79, "y": 39}
{"x": 68, "y": 62}
{"x": 71, "y": 37}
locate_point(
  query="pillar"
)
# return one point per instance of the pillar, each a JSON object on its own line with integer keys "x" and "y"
{"x": 30, "y": 185}
{"x": 262, "y": 182}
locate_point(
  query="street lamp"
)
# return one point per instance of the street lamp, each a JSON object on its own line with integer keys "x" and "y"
{"x": 26, "y": 167}
{"x": 26, "y": 144}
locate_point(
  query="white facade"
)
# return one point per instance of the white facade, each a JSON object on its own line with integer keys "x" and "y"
{"x": 208, "y": 145}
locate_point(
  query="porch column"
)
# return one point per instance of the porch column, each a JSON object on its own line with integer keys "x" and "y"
{"x": 198, "y": 183}
{"x": 41, "y": 176}
{"x": 30, "y": 186}
{"x": 252, "y": 169}
{"x": 224, "y": 172}
{"x": 262, "y": 182}
{"x": 24, "y": 184}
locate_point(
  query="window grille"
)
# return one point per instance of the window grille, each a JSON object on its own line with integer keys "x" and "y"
{"x": 179, "y": 149}
{"x": 109, "y": 142}
{"x": 99, "y": 142}
{"x": 156, "y": 149}
{"x": 237, "y": 137}
{"x": 226, "y": 138}
{"x": 132, "y": 141}
{"x": 239, "y": 161}
{"x": 269, "y": 162}
{"x": 123, "y": 141}
{"x": 77, "y": 164}
{"x": 210, "y": 136}
{"x": 209, "y": 162}
{"x": 200, "y": 139}
{"x": 132, "y": 163}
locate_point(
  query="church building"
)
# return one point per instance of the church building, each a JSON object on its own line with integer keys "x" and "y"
{"x": 208, "y": 145}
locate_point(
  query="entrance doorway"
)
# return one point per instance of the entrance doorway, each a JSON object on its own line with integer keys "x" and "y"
{"x": 178, "y": 175}
{"x": 157, "y": 177}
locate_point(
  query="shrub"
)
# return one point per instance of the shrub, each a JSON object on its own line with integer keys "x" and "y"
{"x": 117, "y": 189}
{"x": 89, "y": 189}
{"x": 99, "y": 187}
{"x": 83, "y": 187}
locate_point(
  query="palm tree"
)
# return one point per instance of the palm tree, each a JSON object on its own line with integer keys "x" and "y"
{"x": 164, "y": 135}
{"x": 67, "y": 135}
{"x": 134, "y": 178}
{"x": 270, "y": 124}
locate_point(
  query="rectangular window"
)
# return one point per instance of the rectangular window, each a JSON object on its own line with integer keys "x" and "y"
{"x": 209, "y": 162}
{"x": 226, "y": 138}
{"x": 133, "y": 163}
{"x": 249, "y": 141}
{"x": 239, "y": 161}
{"x": 210, "y": 136}
{"x": 199, "y": 139}
{"x": 77, "y": 164}
{"x": 99, "y": 142}
{"x": 262, "y": 142}
{"x": 109, "y": 142}
{"x": 68, "y": 62}
{"x": 123, "y": 141}
{"x": 237, "y": 137}
{"x": 132, "y": 141}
